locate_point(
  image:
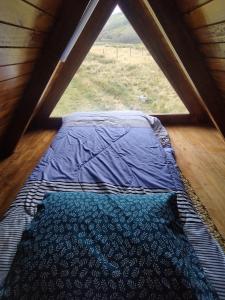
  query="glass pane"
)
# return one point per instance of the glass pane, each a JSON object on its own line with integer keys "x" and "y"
{"x": 119, "y": 74}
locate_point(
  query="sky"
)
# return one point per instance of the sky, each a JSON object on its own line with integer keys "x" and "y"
{"x": 116, "y": 10}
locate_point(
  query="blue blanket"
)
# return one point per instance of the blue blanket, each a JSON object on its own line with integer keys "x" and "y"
{"x": 122, "y": 156}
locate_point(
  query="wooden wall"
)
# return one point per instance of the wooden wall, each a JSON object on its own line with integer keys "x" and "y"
{"x": 206, "y": 20}
{"x": 24, "y": 26}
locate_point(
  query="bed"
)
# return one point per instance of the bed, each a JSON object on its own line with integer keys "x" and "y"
{"x": 110, "y": 153}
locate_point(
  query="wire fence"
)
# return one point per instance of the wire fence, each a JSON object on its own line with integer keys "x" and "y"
{"x": 121, "y": 51}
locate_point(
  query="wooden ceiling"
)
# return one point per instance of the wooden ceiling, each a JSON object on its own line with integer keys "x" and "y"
{"x": 206, "y": 22}
{"x": 24, "y": 27}
{"x": 185, "y": 37}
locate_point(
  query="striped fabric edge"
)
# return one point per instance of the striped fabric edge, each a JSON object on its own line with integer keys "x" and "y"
{"x": 24, "y": 208}
{"x": 212, "y": 260}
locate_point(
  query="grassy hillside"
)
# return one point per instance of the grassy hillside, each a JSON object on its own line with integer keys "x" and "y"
{"x": 119, "y": 74}
{"x": 118, "y": 30}
{"x": 119, "y": 77}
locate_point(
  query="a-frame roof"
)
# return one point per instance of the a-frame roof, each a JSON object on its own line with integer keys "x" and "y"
{"x": 162, "y": 30}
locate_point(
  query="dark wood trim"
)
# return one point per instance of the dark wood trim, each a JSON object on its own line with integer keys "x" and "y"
{"x": 70, "y": 15}
{"x": 171, "y": 21}
{"x": 67, "y": 70}
{"x": 154, "y": 40}
{"x": 166, "y": 119}
{"x": 180, "y": 119}
{"x": 49, "y": 123}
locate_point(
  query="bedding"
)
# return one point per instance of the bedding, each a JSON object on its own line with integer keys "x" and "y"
{"x": 115, "y": 153}
{"x": 99, "y": 246}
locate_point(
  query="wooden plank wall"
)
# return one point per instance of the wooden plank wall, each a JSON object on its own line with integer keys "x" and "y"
{"x": 24, "y": 26}
{"x": 206, "y": 20}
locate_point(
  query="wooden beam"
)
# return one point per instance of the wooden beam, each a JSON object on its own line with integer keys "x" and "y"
{"x": 179, "y": 119}
{"x": 166, "y": 119}
{"x": 79, "y": 51}
{"x": 70, "y": 15}
{"x": 172, "y": 23}
{"x": 154, "y": 40}
{"x": 49, "y": 123}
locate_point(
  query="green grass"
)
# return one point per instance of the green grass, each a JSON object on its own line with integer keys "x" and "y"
{"x": 118, "y": 30}
{"x": 113, "y": 77}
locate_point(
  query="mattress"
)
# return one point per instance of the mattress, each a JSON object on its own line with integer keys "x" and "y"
{"x": 114, "y": 152}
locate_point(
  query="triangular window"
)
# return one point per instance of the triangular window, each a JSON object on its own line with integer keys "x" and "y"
{"x": 119, "y": 74}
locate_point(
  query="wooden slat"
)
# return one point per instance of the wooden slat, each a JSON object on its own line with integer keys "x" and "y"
{"x": 66, "y": 71}
{"x": 10, "y": 93}
{"x": 9, "y": 103}
{"x": 69, "y": 18}
{"x": 12, "y": 71}
{"x": 50, "y": 6}
{"x": 11, "y": 36}
{"x": 185, "y": 47}
{"x": 147, "y": 28}
{"x": 8, "y": 97}
{"x": 6, "y": 110}
{"x": 213, "y": 50}
{"x": 217, "y": 64}
{"x": 21, "y": 14}
{"x": 7, "y": 86}
{"x": 211, "y": 34}
{"x": 210, "y": 13}
{"x": 17, "y": 55}
{"x": 4, "y": 125}
{"x": 219, "y": 76}
{"x": 188, "y": 5}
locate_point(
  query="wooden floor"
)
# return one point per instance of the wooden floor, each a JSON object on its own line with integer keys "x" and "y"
{"x": 200, "y": 153}
{"x": 18, "y": 166}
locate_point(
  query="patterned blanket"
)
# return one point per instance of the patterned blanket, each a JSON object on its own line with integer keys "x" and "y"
{"x": 110, "y": 153}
